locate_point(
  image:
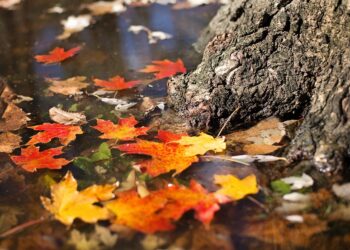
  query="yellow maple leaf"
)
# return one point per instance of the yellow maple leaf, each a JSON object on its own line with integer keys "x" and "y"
{"x": 199, "y": 145}
{"x": 68, "y": 203}
{"x": 235, "y": 188}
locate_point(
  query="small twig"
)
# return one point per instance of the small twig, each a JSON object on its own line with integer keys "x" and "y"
{"x": 228, "y": 120}
{"x": 258, "y": 203}
{"x": 224, "y": 158}
{"x": 22, "y": 226}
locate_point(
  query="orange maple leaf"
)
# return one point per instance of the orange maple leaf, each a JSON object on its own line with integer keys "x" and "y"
{"x": 166, "y": 136}
{"x": 65, "y": 133}
{"x": 32, "y": 159}
{"x": 160, "y": 209}
{"x": 57, "y": 55}
{"x": 67, "y": 203}
{"x": 125, "y": 129}
{"x": 116, "y": 83}
{"x": 165, "y": 68}
{"x": 165, "y": 156}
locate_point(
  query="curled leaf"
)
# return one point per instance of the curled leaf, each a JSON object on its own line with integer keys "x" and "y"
{"x": 67, "y": 118}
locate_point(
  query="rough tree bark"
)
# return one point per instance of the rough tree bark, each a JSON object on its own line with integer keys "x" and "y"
{"x": 284, "y": 58}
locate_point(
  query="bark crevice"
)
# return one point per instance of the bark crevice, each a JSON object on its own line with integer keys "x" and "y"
{"x": 287, "y": 58}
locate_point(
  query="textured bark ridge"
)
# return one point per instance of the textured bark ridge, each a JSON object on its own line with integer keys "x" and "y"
{"x": 284, "y": 58}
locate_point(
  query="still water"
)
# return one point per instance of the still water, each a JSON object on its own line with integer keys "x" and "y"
{"x": 109, "y": 49}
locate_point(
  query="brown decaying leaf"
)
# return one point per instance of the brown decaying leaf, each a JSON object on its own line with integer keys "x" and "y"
{"x": 263, "y": 138}
{"x": 9, "y": 142}
{"x": 13, "y": 118}
{"x": 276, "y": 230}
{"x": 199, "y": 238}
{"x": 67, "y": 118}
{"x": 70, "y": 86}
{"x": 104, "y": 7}
{"x": 9, "y": 4}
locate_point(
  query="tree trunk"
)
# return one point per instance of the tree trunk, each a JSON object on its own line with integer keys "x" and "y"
{"x": 284, "y": 58}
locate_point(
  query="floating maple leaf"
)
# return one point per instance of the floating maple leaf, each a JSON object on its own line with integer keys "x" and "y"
{"x": 65, "y": 133}
{"x": 165, "y": 156}
{"x": 70, "y": 86}
{"x": 160, "y": 209}
{"x": 199, "y": 145}
{"x": 166, "y": 136}
{"x": 235, "y": 188}
{"x": 67, "y": 118}
{"x": 175, "y": 152}
{"x": 165, "y": 68}
{"x": 57, "y": 55}
{"x": 115, "y": 83}
{"x": 68, "y": 203}
{"x": 32, "y": 159}
{"x": 125, "y": 129}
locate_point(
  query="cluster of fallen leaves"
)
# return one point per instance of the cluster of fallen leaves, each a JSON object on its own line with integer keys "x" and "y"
{"x": 173, "y": 152}
{"x": 136, "y": 207}
{"x": 154, "y": 212}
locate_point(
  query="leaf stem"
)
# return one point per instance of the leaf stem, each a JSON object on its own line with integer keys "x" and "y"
{"x": 22, "y": 226}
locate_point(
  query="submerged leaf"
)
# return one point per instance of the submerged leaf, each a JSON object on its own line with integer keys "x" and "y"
{"x": 32, "y": 159}
{"x": 70, "y": 86}
{"x": 57, "y": 55}
{"x": 13, "y": 118}
{"x": 68, "y": 203}
{"x": 165, "y": 68}
{"x": 280, "y": 187}
{"x": 9, "y": 142}
{"x": 125, "y": 129}
{"x": 103, "y": 153}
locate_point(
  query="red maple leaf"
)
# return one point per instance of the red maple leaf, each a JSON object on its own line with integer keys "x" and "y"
{"x": 116, "y": 83}
{"x": 125, "y": 129}
{"x": 165, "y": 68}
{"x": 65, "y": 133}
{"x": 57, "y": 55}
{"x": 32, "y": 159}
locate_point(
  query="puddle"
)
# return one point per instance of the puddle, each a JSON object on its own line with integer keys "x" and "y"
{"x": 109, "y": 49}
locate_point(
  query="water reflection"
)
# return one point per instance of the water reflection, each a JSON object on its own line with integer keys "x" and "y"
{"x": 108, "y": 49}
